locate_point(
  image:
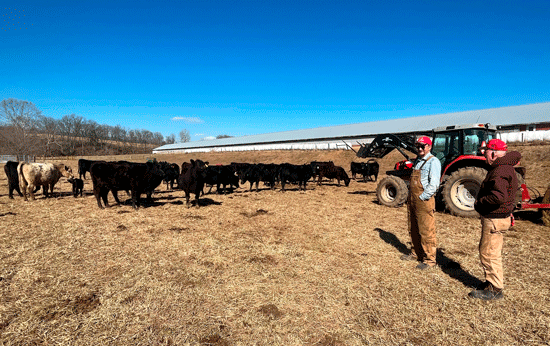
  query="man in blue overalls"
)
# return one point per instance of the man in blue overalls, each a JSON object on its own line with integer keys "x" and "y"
{"x": 421, "y": 205}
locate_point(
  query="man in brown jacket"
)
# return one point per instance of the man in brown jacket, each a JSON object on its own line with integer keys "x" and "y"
{"x": 495, "y": 202}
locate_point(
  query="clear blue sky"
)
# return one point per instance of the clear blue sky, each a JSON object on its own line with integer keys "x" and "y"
{"x": 250, "y": 67}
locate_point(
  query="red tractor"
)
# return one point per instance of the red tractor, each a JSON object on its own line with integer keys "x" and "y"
{"x": 463, "y": 168}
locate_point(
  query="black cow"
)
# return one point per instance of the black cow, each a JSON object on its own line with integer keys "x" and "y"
{"x": 267, "y": 173}
{"x": 295, "y": 174}
{"x": 13, "y": 178}
{"x": 171, "y": 173}
{"x": 369, "y": 170}
{"x": 332, "y": 172}
{"x": 221, "y": 175}
{"x": 191, "y": 179}
{"x": 78, "y": 186}
{"x": 139, "y": 178}
{"x": 84, "y": 166}
{"x": 318, "y": 165}
{"x": 239, "y": 167}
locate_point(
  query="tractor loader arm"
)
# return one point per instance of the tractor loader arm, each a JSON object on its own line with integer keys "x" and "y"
{"x": 384, "y": 144}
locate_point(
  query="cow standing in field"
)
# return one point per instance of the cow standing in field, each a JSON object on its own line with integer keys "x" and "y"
{"x": 78, "y": 186}
{"x": 268, "y": 173}
{"x": 221, "y": 175}
{"x": 369, "y": 170}
{"x": 84, "y": 166}
{"x": 318, "y": 165}
{"x": 192, "y": 179}
{"x": 33, "y": 175}
{"x": 295, "y": 174}
{"x": 332, "y": 172}
{"x": 13, "y": 180}
{"x": 138, "y": 178}
{"x": 171, "y": 173}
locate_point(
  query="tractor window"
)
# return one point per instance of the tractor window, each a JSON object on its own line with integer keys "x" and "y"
{"x": 473, "y": 139}
{"x": 446, "y": 146}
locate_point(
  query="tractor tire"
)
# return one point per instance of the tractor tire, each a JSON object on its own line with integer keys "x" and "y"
{"x": 546, "y": 212}
{"x": 392, "y": 191}
{"x": 460, "y": 191}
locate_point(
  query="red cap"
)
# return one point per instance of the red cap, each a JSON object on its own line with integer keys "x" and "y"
{"x": 424, "y": 140}
{"x": 497, "y": 144}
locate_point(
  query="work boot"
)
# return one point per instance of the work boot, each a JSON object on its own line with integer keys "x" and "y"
{"x": 423, "y": 266}
{"x": 409, "y": 257}
{"x": 489, "y": 293}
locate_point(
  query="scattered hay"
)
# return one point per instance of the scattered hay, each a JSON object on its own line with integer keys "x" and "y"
{"x": 267, "y": 268}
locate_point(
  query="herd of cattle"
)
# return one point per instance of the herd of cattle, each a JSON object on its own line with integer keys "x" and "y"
{"x": 143, "y": 178}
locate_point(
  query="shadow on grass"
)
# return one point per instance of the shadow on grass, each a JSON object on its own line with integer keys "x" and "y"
{"x": 447, "y": 265}
{"x": 361, "y": 192}
{"x": 534, "y": 216}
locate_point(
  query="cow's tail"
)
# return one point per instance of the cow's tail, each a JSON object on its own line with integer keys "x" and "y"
{"x": 22, "y": 181}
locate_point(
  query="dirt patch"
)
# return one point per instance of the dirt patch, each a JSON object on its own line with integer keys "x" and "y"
{"x": 271, "y": 311}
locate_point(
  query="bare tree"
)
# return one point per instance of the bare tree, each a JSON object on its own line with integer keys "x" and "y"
{"x": 49, "y": 131}
{"x": 22, "y": 118}
{"x": 223, "y": 136}
{"x": 171, "y": 139}
{"x": 185, "y": 136}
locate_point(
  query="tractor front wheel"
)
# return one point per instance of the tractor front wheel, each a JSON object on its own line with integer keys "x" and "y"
{"x": 460, "y": 190}
{"x": 392, "y": 191}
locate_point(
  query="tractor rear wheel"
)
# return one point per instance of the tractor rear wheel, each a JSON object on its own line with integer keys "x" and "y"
{"x": 546, "y": 212}
{"x": 392, "y": 191}
{"x": 460, "y": 190}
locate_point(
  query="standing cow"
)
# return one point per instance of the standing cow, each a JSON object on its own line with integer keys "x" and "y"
{"x": 13, "y": 180}
{"x": 191, "y": 179}
{"x": 138, "y": 178}
{"x": 33, "y": 175}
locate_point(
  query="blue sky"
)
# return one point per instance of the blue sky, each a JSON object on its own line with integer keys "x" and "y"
{"x": 250, "y": 67}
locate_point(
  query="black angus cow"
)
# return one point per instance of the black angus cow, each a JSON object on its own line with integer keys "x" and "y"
{"x": 221, "y": 175}
{"x": 267, "y": 173}
{"x": 13, "y": 178}
{"x": 84, "y": 166}
{"x": 299, "y": 174}
{"x": 369, "y": 170}
{"x": 191, "y": 179}
{"x": 239, "y": 167}
{"x": 171, "y": 173}
{"x": 139, "y": 178}
{"x": 318, "y": 165}
{"x": 78, "y": 186}
{"x": 335, "y": 172}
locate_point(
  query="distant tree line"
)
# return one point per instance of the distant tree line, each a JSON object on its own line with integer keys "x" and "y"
{"x": 24, "y": 130}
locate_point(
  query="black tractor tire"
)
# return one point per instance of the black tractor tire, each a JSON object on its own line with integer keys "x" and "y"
{"x": 460, "y": 190}
{"x": 546, "y": 212}
{"x": 392, "y": 191}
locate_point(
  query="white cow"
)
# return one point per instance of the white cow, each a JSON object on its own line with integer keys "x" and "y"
{"x": 33, "y": 175}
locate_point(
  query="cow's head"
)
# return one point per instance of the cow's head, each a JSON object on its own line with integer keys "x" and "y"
{"x": 66, "y": 171}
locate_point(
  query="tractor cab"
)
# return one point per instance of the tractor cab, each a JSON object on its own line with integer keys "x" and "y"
{"x": 452, "y": 142}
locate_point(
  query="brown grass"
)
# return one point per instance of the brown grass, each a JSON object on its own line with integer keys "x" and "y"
{"x": 319, "y": 267}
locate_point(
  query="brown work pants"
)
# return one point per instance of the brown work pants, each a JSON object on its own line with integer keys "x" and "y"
{"x": 422, "y": 229}
{"x": 490, "y": 249}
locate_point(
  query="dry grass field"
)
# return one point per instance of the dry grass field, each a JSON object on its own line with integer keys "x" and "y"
{"x": 319, "y": 267}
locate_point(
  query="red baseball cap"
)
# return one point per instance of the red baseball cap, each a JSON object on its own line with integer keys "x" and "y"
{"x": 424, "y": 140}
{"x": 497, "y": 144}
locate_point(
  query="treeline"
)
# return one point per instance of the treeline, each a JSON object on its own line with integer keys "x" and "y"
{"x": 24, "y": 130}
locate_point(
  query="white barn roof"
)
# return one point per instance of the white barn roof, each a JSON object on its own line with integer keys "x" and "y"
{"x": 526, "y": 114}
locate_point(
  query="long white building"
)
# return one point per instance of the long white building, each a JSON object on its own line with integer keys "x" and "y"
{"x": 514, "y": 122}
